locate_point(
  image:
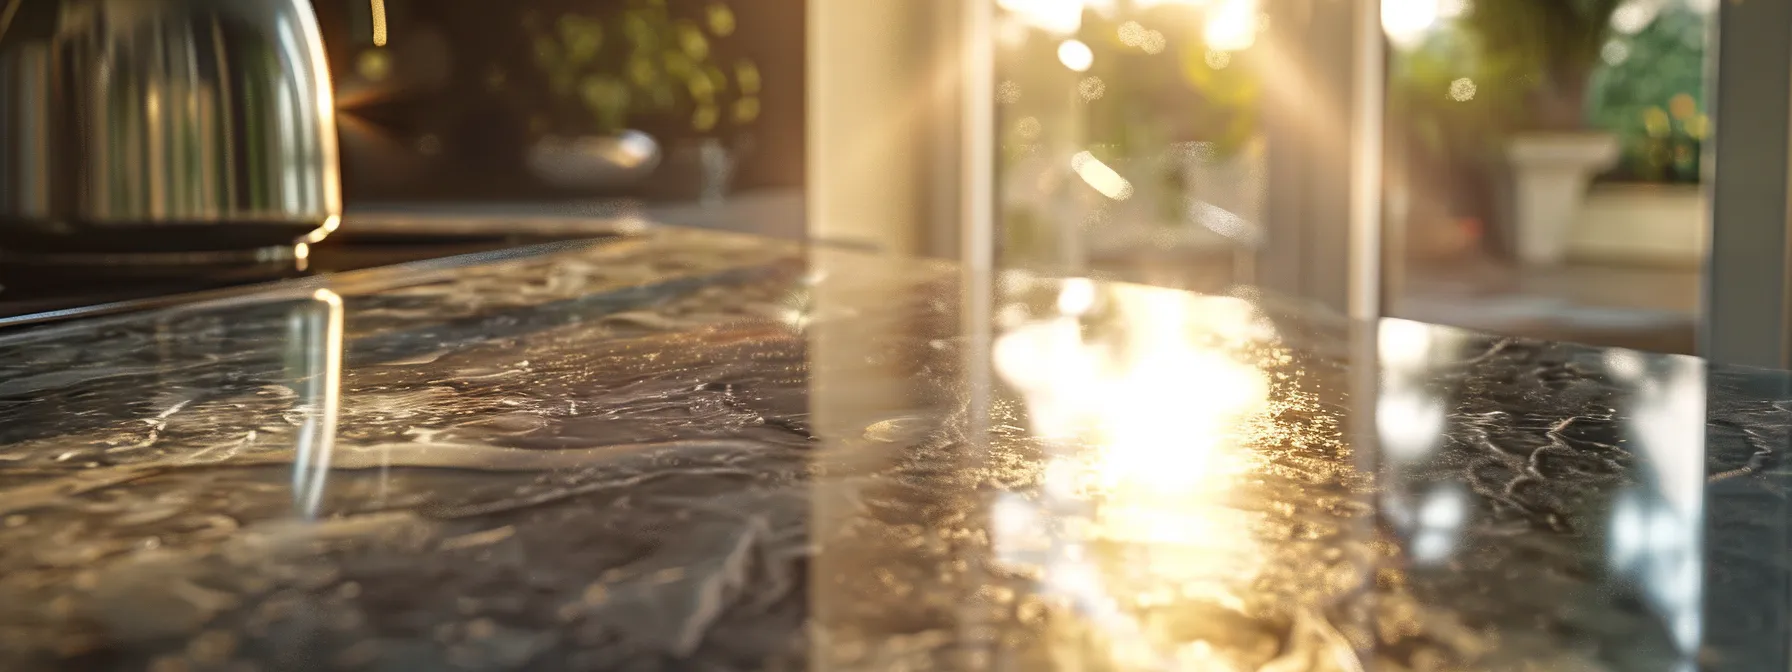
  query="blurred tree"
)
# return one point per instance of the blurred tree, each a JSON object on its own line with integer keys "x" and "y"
{"x": 1452, "y": 119}
{"x": 1544, "y": 51}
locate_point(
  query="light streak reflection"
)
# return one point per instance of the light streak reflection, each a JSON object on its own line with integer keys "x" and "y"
{"x": 378, "y": 10}
{"x": 1154, "y": 408}
{"x": 317, "y": 337}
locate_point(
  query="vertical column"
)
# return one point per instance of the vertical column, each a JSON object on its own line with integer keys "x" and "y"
{"x": 901, "y": 159}
{"x": 1280, "y": 265}
{"x": 976, "y": 244}
{"x": 1368, "y": 86}
{"x": 1323, "y": 73}
{"x": 1747, "y": 318}
{"x": 864, "y": 181}
{"x": 884, "y": 86}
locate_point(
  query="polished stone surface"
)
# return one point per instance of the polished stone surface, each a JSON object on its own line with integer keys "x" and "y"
{"x": 701, "y": 452}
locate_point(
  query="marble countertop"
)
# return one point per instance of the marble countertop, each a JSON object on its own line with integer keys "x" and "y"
{"x": 702, "y": 451}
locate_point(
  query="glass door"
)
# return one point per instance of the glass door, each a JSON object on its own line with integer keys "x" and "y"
{"x": 1529, "y": 168}
{"x": 1546, "y": 167}
{"x": 1197, "y": 144}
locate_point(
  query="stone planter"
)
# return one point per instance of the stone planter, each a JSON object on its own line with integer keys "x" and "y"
{"x": 1550, "y": 176}
{"x": 1642, "y": 224}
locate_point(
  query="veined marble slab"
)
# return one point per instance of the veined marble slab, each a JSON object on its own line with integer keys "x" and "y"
{"x": 700, "y": 451}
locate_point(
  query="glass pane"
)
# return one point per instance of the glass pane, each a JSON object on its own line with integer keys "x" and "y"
{"x": 1130, "y": 143}
{"x": 1544, "y": 167}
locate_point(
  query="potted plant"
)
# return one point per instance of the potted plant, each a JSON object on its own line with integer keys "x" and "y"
{"x": 1543, "y": 53}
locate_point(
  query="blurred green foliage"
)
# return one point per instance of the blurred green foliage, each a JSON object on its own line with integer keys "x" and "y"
{"x": 1137, "y": 99}
{"x": 1554, "y": 65}
{"x": 644, "y": 60}
{"x": 1154, "y": 85}
{"x": 1420, "y": 105}
{"x": 1651, "y": 93}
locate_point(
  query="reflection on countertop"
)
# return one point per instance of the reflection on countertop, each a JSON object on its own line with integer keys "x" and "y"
{"x": 695, "y": 450}
{"x": 776, "y": 213}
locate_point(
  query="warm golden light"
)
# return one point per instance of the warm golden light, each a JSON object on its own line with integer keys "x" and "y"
{"x": 378, "y": 9}
{"x": 329, "y": 226}
{"x": 1091, "y": 88}
{"x": 1462, "y": 90}
{"x": 1231, "y": 25}
{"x": 1076, "y": 297}
{"x": 1059, "y": 17}
{"x": 1154, "y": 43}
{"x": 373, "y": 65}
{"x": 1154, "y": 411}
{"x": 1076, "y": 55}
{"x": 1100, "y": 176}
{"x": 1132, "y": 34}
{"x": 1407, "y": 21}
{"x": 1029, "y": 128}
{"x": 1008, "y": 92}
{"x": 316, "y": 444}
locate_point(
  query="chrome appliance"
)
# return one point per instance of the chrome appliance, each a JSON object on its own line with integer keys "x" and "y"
{"x": 164, "y": 132}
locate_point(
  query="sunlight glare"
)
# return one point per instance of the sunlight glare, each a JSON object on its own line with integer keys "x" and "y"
{"x": 1076, "y": 55}
{"x": 1153, "y": 415}
{"x": 1231, "y": 25}
{"x": 1099, "y": 176}
{"x": 1406, "y": 22}
{"x": 1059, "y": 17}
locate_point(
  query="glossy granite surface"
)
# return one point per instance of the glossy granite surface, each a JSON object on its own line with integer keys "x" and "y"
{"x": 692, "y": 451}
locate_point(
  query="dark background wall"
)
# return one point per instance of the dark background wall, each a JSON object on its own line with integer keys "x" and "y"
{"x": 446, "y": 110}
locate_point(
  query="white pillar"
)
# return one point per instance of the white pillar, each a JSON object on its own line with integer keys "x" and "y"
{"x": 1747, "y": 319}
{"x": 882, "y": 83}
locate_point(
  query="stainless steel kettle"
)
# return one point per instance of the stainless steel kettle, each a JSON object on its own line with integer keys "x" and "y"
{"x": 164, "y": 131}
